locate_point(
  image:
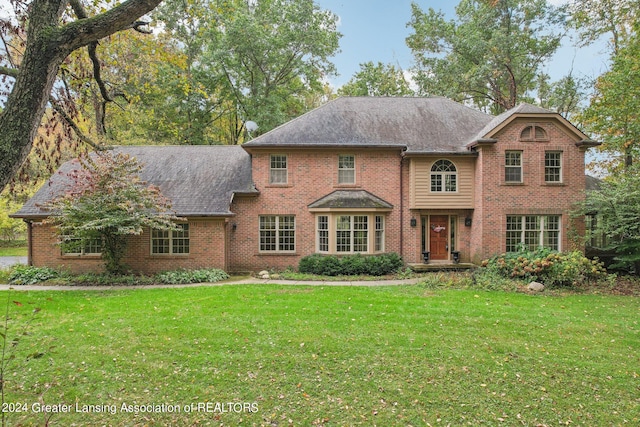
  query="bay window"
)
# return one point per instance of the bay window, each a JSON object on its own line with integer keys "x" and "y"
{"x": 345, "y": 233}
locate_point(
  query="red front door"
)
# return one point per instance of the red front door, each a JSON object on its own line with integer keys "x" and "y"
{"x": 439, "y": 237}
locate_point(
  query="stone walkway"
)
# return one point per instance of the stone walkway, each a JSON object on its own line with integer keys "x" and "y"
{"x": 247, "y": 281}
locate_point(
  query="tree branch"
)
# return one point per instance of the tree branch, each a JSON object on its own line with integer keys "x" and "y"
{"x": 69, "y": 121}
{"x": 91, "y": 29}
{"x": 11, "y": 72}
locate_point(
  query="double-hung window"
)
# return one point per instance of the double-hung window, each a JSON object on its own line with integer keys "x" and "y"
{"x": 170, "y": 242}
{"x": 346, "y": 169}
{"x": 81, "y": 246}
{"x": 352, "y": 233}
{"x": 553, "y": 166}
{"x": 513, "y": 166}
{"x": 277, "y": 233}
{"x": 278, "y": 169}
{"x": 533, "y": 232}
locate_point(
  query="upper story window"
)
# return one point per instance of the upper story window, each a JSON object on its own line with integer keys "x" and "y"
{"x": 278, "y": 169}
{"x": 533, "y": 133}
{"x": 513, "y": 166}
{"x": 444, "y": 177}
{"x": 346, "y": 169}
{"x": 553, "y": 166}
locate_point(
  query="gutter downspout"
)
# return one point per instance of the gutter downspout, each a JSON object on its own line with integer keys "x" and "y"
{"x": 29, "y": 242}
{"x": 401, "y": 206}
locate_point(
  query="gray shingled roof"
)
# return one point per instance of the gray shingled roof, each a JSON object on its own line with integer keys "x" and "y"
{"x": 351, "y": 199}
{"x": 419, "y": 124}
{"x": 592, "y": 183}
{"x": 199, "y": 180}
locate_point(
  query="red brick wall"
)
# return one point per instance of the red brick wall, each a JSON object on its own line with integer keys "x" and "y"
{"x": 206, "y": 246}
{"x": 496, "y": 199}
{"x": 312, "y": 174}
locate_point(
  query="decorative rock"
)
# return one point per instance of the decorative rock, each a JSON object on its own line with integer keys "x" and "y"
{"x": 264, "y": 274}
{"x": 275, "y": 276}
{"x": 535, "y": 287}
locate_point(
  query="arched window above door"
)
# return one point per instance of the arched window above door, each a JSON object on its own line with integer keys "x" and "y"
{"x": 444, "y": 177}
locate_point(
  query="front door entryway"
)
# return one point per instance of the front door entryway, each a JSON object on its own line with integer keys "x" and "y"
{"x": 439, "y": 237}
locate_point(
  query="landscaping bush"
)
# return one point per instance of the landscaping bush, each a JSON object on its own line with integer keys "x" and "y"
{"x": 176, "y": 277}
{"x": 350, "y": 265}
{"x": 545, "y": 266}
{"x": 106, "y": 279}
{"x": 27, "y": 275}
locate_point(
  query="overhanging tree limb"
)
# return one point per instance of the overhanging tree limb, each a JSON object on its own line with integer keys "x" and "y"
{"x": 47, "y": 46}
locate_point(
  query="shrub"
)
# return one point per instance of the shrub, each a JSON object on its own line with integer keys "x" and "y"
{"x": 548, "y": 267}
{"x": 176, "y": 277}
{"x": 27, "y": 275}
{"x": 106, "y": 279}
{"x": 350, "y": 265}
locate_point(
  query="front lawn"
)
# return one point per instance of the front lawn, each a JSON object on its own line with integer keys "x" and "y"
{"x": 13, "y": 248}
{"x": 403, "y": 355}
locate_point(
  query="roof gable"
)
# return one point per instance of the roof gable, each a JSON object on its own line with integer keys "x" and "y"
{"x": 199, "y": 180}
{"x": 523, "y": 110}
{"x": 351, "y": 199}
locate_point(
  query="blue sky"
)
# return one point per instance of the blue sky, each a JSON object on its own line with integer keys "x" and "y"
{"x": 375, "y": 30}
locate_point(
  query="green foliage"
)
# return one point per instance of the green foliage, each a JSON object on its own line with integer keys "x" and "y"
{"x": 594, "y": 18}
{"x": 237, "y": 61}
{"x": 106, "y": 279}
{"x": 208, "y": 275}
{"x": 612, "y": 114}
{"x": 107, "y": 200}
{"x": 10, "y": 228}
{"x": 617, "y": 205}
{"x": 492, "y": 54}
{"x": 28, "y": 275}
{"x": 351, "y": 265}
{"x": 377, "y": 80}
{"x": 545, "y": 266}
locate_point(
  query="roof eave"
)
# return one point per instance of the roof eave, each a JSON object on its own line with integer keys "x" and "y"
{"x": 440, "y": 153}
{"x": 587, "y": 143}
{"x": 351, "y": 145}
{"x": 482, "y": 142}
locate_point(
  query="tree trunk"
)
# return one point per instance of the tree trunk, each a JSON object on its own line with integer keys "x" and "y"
{"x": 46, "y": 47}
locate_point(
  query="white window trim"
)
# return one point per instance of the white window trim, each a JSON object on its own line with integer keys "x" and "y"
{"x": 82, "y": 245}
{"x": 333, "y": 229}
{"x": 561, "y": 178}
{"x": 272, "y": 169}
{"x": 519, "y": 152}
{"x": 324, "y": 230}
{"x": 443, "y": 176}
{"x": 171, "y": 237}
{"x": 541, "y": 231}
{"x": 341, "y": 169}
{"x": 277, "y": 230}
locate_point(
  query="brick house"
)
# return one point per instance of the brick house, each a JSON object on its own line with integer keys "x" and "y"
{"x": 423, "y": 177}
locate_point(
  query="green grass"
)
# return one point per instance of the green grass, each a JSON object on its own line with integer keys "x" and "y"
{"x": 339, "y": 356}
{"x": 13, "y": 251}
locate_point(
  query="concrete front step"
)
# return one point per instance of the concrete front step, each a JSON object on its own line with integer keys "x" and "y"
{"x": 439, "y": 266}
